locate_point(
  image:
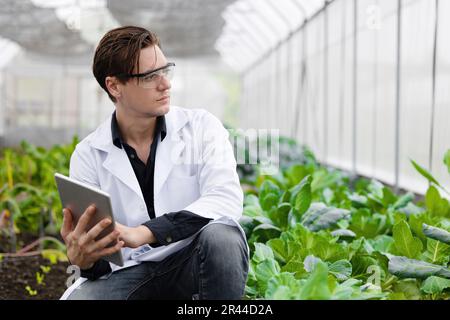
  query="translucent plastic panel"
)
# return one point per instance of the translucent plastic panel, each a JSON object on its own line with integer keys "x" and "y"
{"x": 366, "y": 108}
{"x": 314, "y": 105}
{"x": 416, "y": 79}
{"x": 349, "y": 14}
{"x": 336, "y": 77}
{"x": 296, "y": 67}
{"x": 371, "y": 12}
{"x": 271, "y": 110}
{"x": 335, "y": 22}
{"x": 346, "y": 112}
{"x": 385, "y": 95}
{"x": 33, "y": 103}
{"x": 89, "y": 95}
{"x": 283, "y": 92}
{"x": 442, "y": 111}
{"x": 297, "y": 88}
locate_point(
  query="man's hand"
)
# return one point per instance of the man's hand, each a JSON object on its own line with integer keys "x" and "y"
{"x": 82, "y": 249}
{"x": 135, "y": 237}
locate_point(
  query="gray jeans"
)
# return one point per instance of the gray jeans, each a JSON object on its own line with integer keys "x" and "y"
{"x": 213, "y": 266}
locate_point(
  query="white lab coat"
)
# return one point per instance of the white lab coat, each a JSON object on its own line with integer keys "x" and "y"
{"x": 195, "y": 170}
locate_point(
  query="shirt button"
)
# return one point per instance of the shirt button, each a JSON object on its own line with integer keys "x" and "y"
{"x": 168, "y": 239}
{"x": 142, "y": 208}
{"x": 132, "y": 156}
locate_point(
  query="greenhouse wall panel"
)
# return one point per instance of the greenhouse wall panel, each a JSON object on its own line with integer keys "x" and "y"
{"x": 385, "y": 90}
{"x": 441, "y": 131}
{"x": 417, "y": 34}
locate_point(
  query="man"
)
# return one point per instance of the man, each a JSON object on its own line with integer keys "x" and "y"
{"x": 174, "y": 189}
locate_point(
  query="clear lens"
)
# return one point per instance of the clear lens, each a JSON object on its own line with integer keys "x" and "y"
{"x": 153, "y": 80}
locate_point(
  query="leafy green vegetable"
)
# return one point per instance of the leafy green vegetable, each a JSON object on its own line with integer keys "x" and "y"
{"x": 403, "y": 267}
{"x": 316, "y": 286}
{"x": 424, "y": 173}
{"x": 435, "y": 285}
{"x": 317, "y": 233}
{"x": 437, "y": 252}
{"x": 342, "y": 269}
{"x": 319, "y": 216}
{"x": 303, "y": 198}
{"x": 437, "y": 205}
{"x": 404, "y": 242}
{"x": 436, "y": 233}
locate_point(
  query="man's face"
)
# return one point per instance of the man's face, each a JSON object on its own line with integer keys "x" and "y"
{"x": 143, "y": 101}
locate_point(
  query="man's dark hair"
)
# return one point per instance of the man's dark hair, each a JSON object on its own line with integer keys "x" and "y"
{"x": 118, "y": 53}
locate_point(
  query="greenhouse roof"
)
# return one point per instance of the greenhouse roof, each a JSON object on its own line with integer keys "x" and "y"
{"x": 240, "y": 30}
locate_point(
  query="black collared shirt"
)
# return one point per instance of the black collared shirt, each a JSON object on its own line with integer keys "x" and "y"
{"x": 144, "y": 172}
{"x": 168, "y": 228}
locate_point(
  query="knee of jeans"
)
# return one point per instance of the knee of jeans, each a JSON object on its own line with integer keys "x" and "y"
{"x": 222, "y": 242}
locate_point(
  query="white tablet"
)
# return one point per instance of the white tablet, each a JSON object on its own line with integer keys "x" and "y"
{"x": 77, "y": 197}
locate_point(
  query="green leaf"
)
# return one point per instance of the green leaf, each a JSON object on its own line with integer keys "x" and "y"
{"x": 265, "y": 231}
{"x": 282, "y": 286}
{"x": 297, "y": 173}
{"x": 322, "y": 179}
{"x": 316, "y": 286}
{"x": 264, "y": 271}
{"x": 424, "y": 173}
{"x": 403, "y": 201}
{"x": 328, "y": 251}
{"x": 436, "y": 233}
{"x": 390, "y": 199}
{"x": 437, "y": 206}
{"x": 269, "y": 195}
{"x": 253, "y": 211}
{"x": 295, "y": 266}
{"x": 404, "y": 242}
{"x": 310, "y": 262}
{"x": 303, "y": 198}
{"x": 381, "y": 243}
{"x": 280, "y": 215}
{"x": 341, "y": 269}
{"x": 367, "y": 225}
{"x": 320, "y": 217}
{"x": 358, "y": 201}
{"x": 447, "y": 160}
{"x": 283, "y": 250}
{"x": 343, "y": 233}
{"x": 403, "y": 267}
{"x": 409, "y": 287}
{"x": 269, "y": 201}
{"x": 435, "y": 285}
{"x": 251, "y": 200}
{"x": 262, "y": 252}
{"x": 411, "y": 210}
{"x": 437, "y": 252}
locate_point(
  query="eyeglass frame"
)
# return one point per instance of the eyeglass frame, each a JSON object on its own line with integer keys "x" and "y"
{"x": 141, "y": 75}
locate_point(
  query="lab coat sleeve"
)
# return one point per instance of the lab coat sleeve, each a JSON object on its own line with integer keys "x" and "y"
{"x": 220, "y": 190}
{"x": 175, "y": 226}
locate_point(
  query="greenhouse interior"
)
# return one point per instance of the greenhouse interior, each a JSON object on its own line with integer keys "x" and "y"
{"x": 337, "y": 114}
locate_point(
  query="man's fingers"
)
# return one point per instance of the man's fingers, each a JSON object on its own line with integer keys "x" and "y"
{"x": 96, "y": 230}
{"x": 103, "y": 242}
{"x": 67, "y": 223}
{"x": 84, "y": 220}
{"x": 110, "y": 251}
